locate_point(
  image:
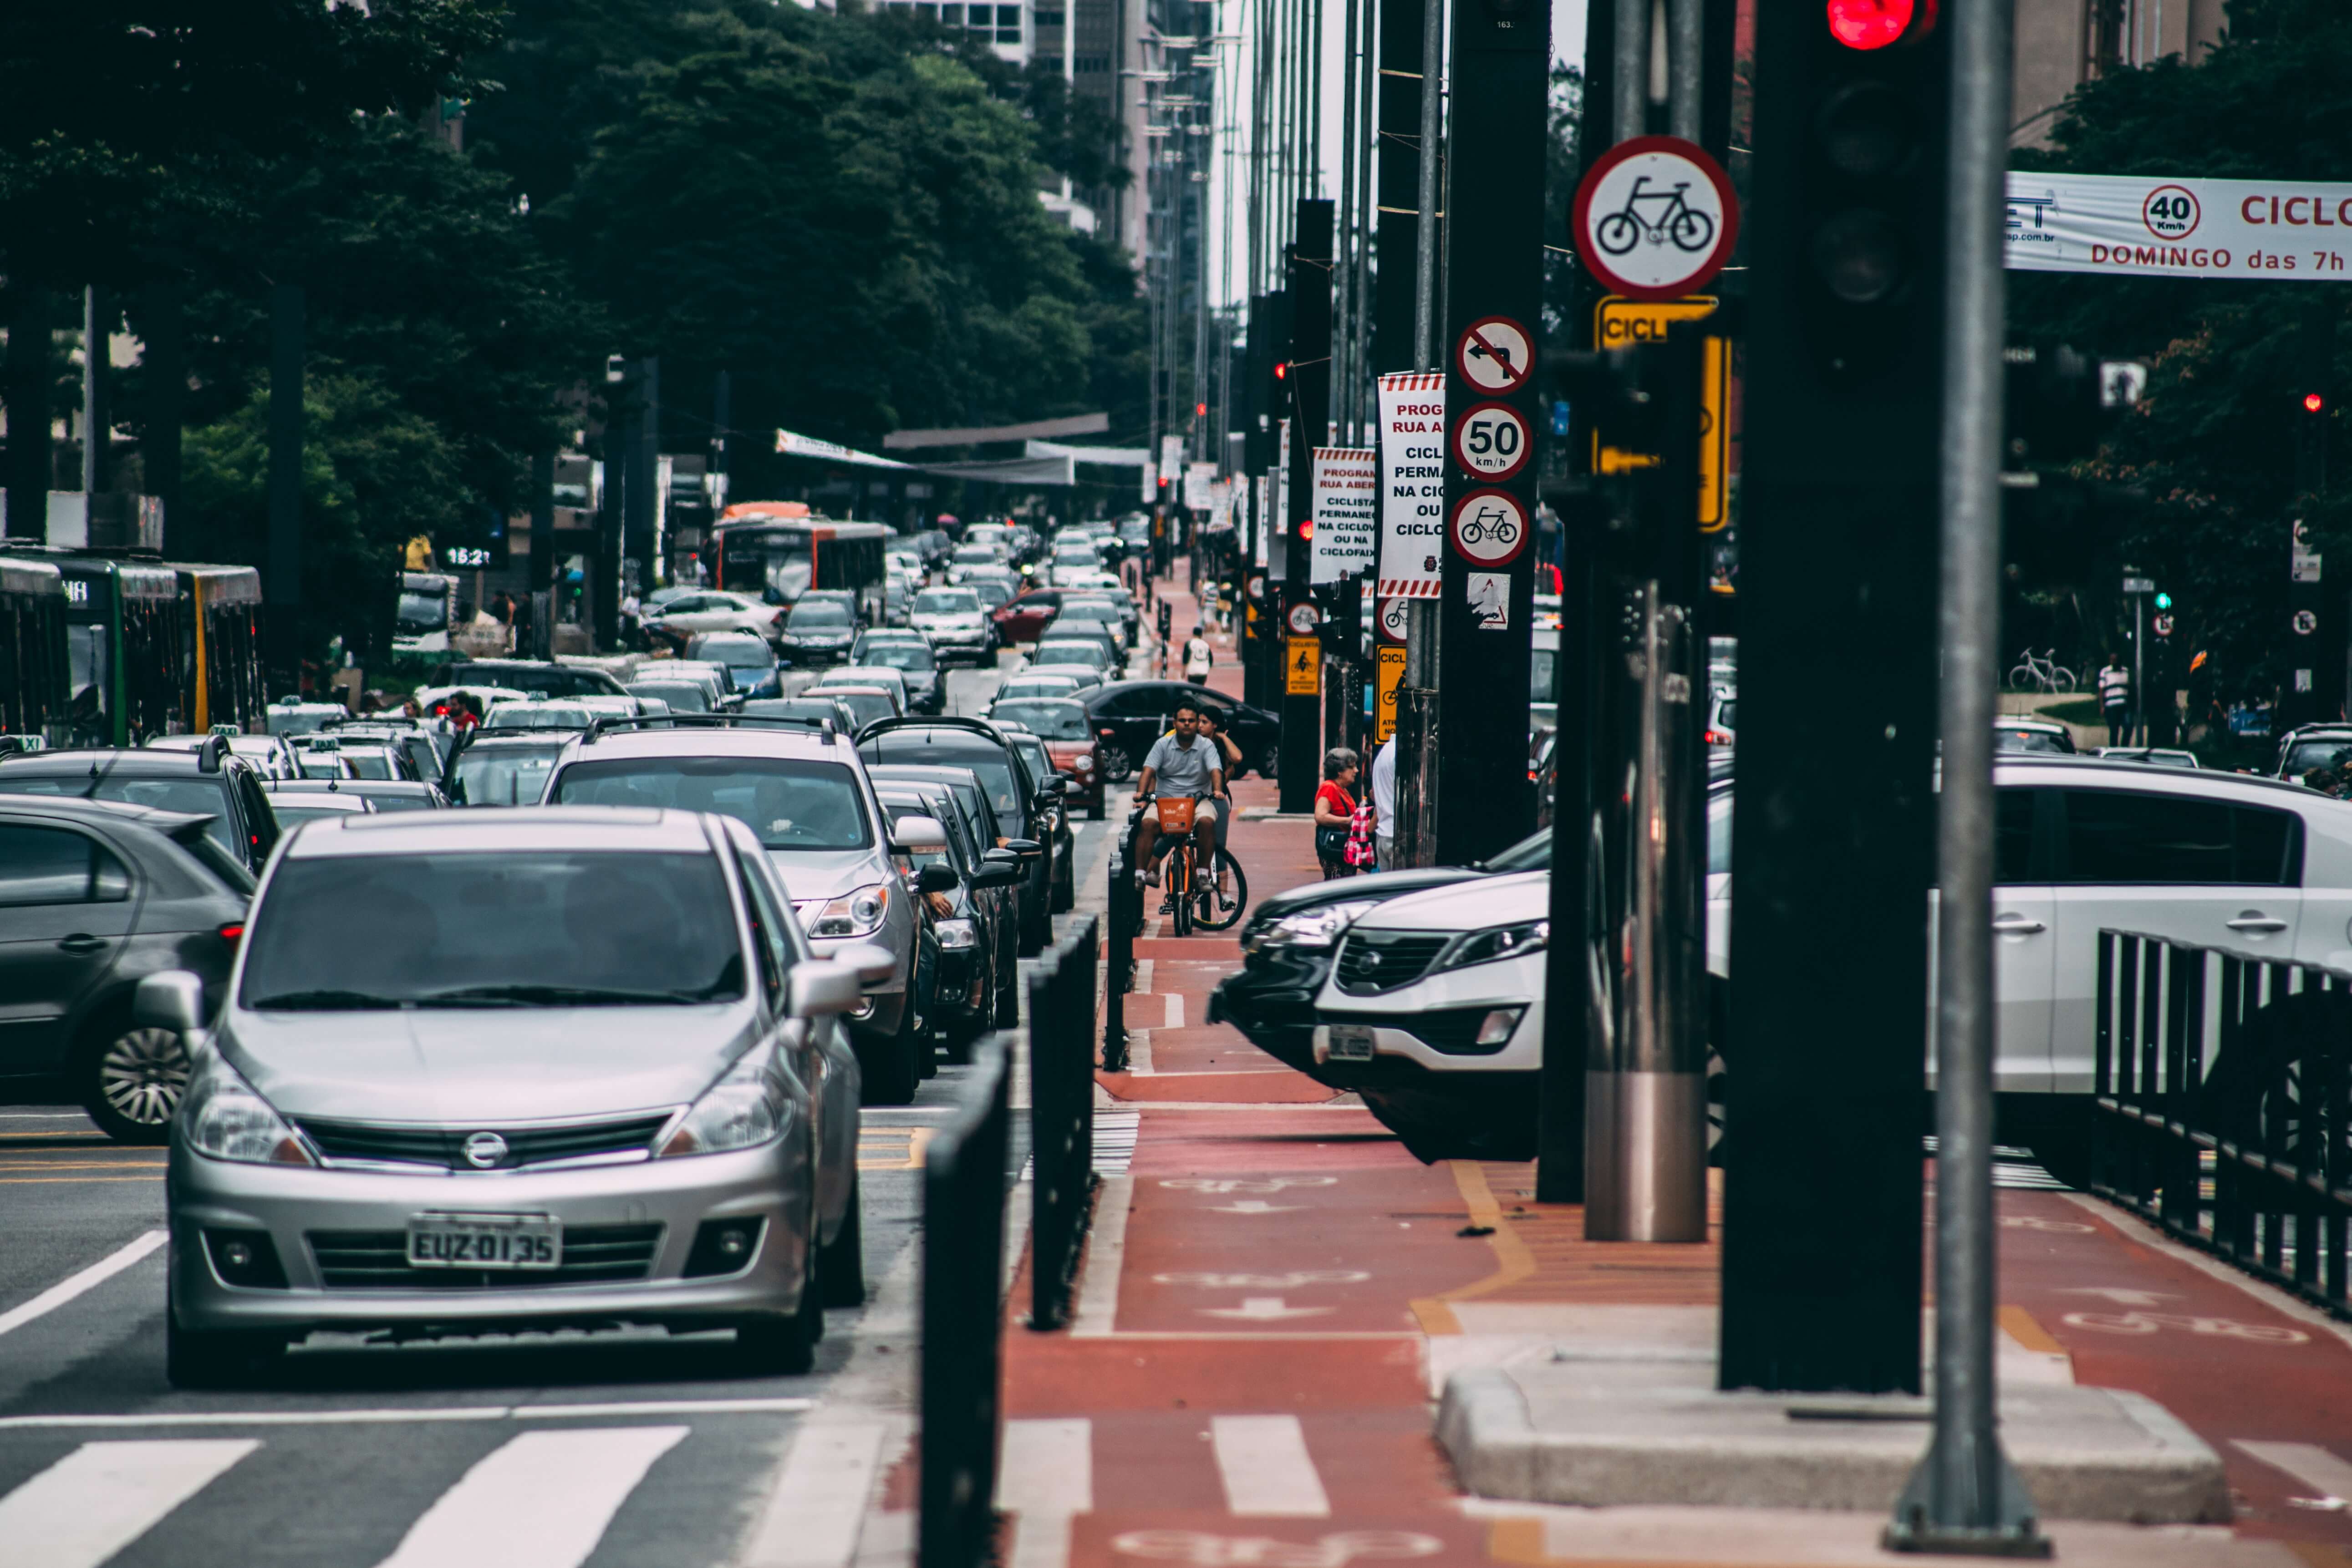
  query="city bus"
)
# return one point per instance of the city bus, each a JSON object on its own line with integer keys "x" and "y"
{"x": 122, "y": 645}
{"x": 33, "y": 692}
{"x": 759, "y": 549}
{"x": 221, "y": 666}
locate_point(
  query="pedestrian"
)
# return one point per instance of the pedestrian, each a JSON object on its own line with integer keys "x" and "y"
{"x": 1335, "y": 812}
{"x": 2115, "y": 700}
{"x": 1383, "y": 793}
{"x": 1197, "y": 659}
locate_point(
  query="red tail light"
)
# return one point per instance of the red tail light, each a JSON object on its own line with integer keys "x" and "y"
{"x": 233, "y": 933}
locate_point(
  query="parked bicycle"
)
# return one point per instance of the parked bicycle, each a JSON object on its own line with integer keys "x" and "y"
{"x": 1207, "y": 894}
{"x": 1680, "y": 224}
{"x": 2042, "y": 674}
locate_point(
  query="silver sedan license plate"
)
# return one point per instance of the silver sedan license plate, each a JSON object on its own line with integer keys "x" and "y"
{"x": 519, "y": 1241}
{"x": 1350, "y": 1043}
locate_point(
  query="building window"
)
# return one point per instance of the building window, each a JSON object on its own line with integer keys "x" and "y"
{"x": 1049, "y": 18}
{"x": 2104, "y": 29}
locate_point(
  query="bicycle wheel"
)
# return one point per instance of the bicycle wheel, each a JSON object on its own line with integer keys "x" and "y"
{"x": 1690, "y": 231}
{"x": 1224, "y": 895}
{"x": 1616, "y": 234}
{"x": 2020, "y": 677}
{"x": 2061, "y": 678}
{"x": 1180, "y": 888}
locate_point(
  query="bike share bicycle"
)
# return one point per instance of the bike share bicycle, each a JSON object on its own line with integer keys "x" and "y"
{"x": 1210, "y": 898}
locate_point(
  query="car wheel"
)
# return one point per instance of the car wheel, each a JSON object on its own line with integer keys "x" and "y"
{"x": 893, "y": 1069}
{"x": 1269, "y": 761}
{"x": 1008, "y": 998}
{"x": 217, "y": 1359}
{"x": 1066, "y": 896}
{"x": 844, "y": 1264}
{"x": 1115, "y": 765}
{"x": 785, "y": 1347}
{"x": 130, "y": 1079}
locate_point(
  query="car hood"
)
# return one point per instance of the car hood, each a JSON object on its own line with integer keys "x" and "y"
{"x": 1463, "y": 906}
{"x": 1349, "y": 889}
{"x": 489, "y": 1065}
{"x": 824, "y": 873}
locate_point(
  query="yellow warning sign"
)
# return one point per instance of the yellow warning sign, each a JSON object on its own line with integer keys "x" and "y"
{"x": 1620, "y": 323}
{"x": 1303, "y": 662}
{"x": 1391, "y": 675}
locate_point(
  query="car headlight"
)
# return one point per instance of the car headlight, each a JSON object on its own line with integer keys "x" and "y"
{"x": 747, "y": 1107}
{"x": 958, "y": 935}
{"x": 855, "y": 913}
{"x": 1497, "y": 943}
{"x": 1309, "y": 928}
{"x": 223, "y": 1118}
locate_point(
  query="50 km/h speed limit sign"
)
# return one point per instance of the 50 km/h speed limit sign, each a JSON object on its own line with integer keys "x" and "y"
{"x": 1491, "y": 441}
{"x": 1489, "y": 527}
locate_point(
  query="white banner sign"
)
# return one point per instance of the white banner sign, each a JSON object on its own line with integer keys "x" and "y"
{"x": 1346, "y": 512}
{"x": 1279, "y": 521}
{"x": 1412, "y": 483}
{"x": 1199, "y": 478}
{"x": 2150, "y": 227}
{"x": 1265, "y": 521}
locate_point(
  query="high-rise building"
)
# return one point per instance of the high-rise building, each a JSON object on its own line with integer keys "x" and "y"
{"x": 2062, "y": 44}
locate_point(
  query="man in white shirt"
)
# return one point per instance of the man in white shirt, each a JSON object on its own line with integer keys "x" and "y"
{"x": 1384, "y": 804}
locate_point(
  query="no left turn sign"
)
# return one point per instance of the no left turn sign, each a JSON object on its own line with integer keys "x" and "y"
{"x": 1495, "y": 355}
{"x": 1489, "y": 527}
{"x": 1656, "y": 218}
{"x": 1491, "y": 441}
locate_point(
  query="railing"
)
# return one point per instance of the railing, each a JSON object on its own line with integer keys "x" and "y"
{"x": 2221, "y": 1110}
{"x": 1061, "y": 1119}
{"x": 964, "y": 1187}
{"x": 1123, "y": 912}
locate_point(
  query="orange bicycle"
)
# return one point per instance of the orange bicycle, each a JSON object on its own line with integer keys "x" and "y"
{"x": 1204, "y": 892}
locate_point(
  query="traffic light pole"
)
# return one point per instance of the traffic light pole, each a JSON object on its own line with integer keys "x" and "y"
{"x": 1308, "y": 404}
{"x": 1965, "y": 1496}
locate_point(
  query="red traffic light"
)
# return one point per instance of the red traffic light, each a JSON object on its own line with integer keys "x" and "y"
{"x": 1305, "y": 528}
{"x": 1281, "y": 369}
{"x": 1876, "y": 23}
{"x": 2313, "y": 403}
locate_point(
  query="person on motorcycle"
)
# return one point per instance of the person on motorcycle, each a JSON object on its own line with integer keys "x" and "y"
{"x": 1183, "y": 766}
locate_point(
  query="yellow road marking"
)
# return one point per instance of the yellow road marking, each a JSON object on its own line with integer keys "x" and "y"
{"x": 1513, "y": 1261}
{"x": 2019, "y": 1325}
{"x": 888, "y": 1156}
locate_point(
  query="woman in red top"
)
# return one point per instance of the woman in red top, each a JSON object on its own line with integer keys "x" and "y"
{"x": 1335, "y": 807}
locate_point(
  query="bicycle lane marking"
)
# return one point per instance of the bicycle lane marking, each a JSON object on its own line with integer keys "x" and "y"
{"x": 2218, "y": 1356}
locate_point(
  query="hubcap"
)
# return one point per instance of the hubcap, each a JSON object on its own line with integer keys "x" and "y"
{"x": 142, "y": 1076}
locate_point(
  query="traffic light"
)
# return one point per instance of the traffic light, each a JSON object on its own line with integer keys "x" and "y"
{"x": 2313, "y": 403}
{"x": 2163, "y": 601}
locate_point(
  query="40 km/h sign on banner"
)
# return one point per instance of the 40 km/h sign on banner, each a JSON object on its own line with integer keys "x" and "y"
{"x": 2150, "y": 226}
{"x": 1655, "y": 219}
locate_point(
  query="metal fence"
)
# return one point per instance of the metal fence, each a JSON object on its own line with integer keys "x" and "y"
{"x": 2222, "y": 1112}
{"x": 1123, "y": 915}
{"x": 1061, "y": 1119}
{"x": 965, "y": 1180}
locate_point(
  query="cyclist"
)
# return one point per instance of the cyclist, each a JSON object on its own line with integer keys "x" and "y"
{"x": 1181, "y": 766}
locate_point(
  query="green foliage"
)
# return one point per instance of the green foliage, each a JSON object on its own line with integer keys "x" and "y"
{"x": 2210, "y": 467}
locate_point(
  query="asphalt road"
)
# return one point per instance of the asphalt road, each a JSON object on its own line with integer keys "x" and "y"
{"x": 529, "y": 1451}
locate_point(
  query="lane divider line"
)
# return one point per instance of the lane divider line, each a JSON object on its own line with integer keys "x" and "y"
{"x": 102, "y": 1497}
{"x": 1266, "y": 1470}
{"x": 74, "y": 1285}
{"x": 540, "y": 1501}
{"x": 1046, "y": 1480}
{"x": 782, "y": 1407}
{"x": 813, "y": 1518}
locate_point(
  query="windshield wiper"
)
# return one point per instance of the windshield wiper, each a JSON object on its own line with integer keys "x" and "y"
{"x": 326, "y": 1002}
{"x": 555, "y": 996}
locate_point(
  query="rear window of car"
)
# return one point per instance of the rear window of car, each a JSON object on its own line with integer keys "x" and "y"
{"x": 2121, "y": 835}
{"x": 1069, "y": 653}
{"x": 195, "y": 796}
{"x": 791, "y": 804}
{"x": 492, "y": 929}
{"x": 504, "y": 776}
{"x": 1054, "y": 721}
{"x": 2040, "y": 742}
{"x": 822, "y": 615}
{"x": 897, "y": 655}
{"x": 681, "y": 698}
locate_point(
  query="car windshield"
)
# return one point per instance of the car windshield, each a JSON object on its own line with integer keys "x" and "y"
{"x": 1089, "y": 610}
{"x": 821, "y": 615}
{"x": 421, "y": 612}
{"x": 195, "y": 796}
{"x": 2325, "y": 752}
{"x": 993, "y": 594}
{"x": 790, "y": 802}
{"x": 373, "y": 764}
{"x": 1054, "y": 721}
{"x": 1724, "y": 715}
{"x": 993, "y": 767}
{"x": 1532, "y": 853}
{"x": 897, "y": 655}
{"x": 868, "y": 705}
{"x": 681, "y": 696}
{"x": 947, "y": 602}
{"x": 1069, "y": 653}
{"x": 740, "y": 655}
{"x": 504, "y": 776}
{"x": 550, "y": 929}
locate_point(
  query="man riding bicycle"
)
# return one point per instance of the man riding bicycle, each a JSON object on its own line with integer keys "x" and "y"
{"x": 1179, "y": 766}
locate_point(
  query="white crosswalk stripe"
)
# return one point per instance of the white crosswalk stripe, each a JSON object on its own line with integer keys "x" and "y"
{"x": 1267, "y": 1472}
{"x": 102, "y": 1497}
{"x": 1045, "y": 1477}
{"x": 2313, "y": 1465}
{"x": 539, "y": 1501}
{"x": 1115, "y": 1135}
{"x": 813, "y": 1517}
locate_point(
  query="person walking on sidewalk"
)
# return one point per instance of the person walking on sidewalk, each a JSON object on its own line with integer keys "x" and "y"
{"x": 1335, "y": 812}
{"x": 2114, "y": 699}
{"x": 1197, "y": 659}
{"x": 1181, "y": 766}
{"x": 1384, "y": 805}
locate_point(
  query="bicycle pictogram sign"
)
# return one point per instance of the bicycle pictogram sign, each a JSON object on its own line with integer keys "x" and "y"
{"x": 1656, "y": 218}
{"x": 1489, "y": 527}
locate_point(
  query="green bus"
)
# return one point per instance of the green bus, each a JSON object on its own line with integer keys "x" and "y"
{"x": 33, "y": 693}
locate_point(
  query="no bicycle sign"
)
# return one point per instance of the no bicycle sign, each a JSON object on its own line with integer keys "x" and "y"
{"x": 1656, "y": 218}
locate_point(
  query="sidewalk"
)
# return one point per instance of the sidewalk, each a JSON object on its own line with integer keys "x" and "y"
{"x": 1274, "y": 1294}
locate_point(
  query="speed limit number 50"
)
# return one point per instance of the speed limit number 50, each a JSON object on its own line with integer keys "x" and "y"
{"x": 1491, "y": 441}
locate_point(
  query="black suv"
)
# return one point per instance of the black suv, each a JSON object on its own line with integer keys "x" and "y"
{"x": 973, "y": 909}
{"x": 1024, "y": 803}
{"x": 212, "y": 783}
{"x": 1130, "y": 715}
{"x": 95, "y": 896}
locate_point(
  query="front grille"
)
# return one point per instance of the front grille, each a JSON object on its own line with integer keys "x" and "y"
{"x": 378, "y": 1260}
{"x": 1374, "y": 961}
{"x": 445, "y": 1146}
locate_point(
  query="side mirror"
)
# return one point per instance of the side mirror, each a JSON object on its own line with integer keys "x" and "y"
{"x": 871, "y": 962}
{"x": 936, "y": 879}
{"x": 1027, "y": 848}
{"x": 820, "y": 987}
{"x": 998, "y": 873}
{"x": 918, "y": 836}
{"x": 173, "y": 999}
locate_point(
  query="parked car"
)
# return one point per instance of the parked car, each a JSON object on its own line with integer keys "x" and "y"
{"x": 293, "y": 811}
{"x": 502, "y": 770}
{"x": 909, "y": 653}
{"x": 875, "y": 675}
{"x": 994, "y": 847}
{"x": 712, "y": 610}
{"x": 867, "y": 704}
{"x": 2013, "y": 733}
{"x": 565, "y": 986}
{"x": 526, "y": 675}
{"x": 389, "y": 795}
{"x": 1130, "y": 715}
{"x": 2309, "y": 746}
{"x": 827, "y": 708}
{"x": 212, "y": 783}
{"x": 1062, "y": 845}
{"x": 272, "y": 756}
{"x": 95, "y": 896}
{"x": 955, "y": 624}
{"x": 973, "y": 913}
{"x": 805, "y": 796}
{"x": 1094, "y": 653}
{"x": 751, "y": 662}
{"x": 817, "y": 631}
{"x": 1023, "y": 804}
{"x": 1069, "y": 738}
{"x": 2153, "y": 756}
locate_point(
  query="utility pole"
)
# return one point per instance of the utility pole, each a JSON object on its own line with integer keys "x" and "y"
{"x": 540, "y": 577}
{"x": 282, "y": 583}
{"x": 1307, "y": 407}
{"x": 30, "y": 416}
{"x": 163, "y": 332}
